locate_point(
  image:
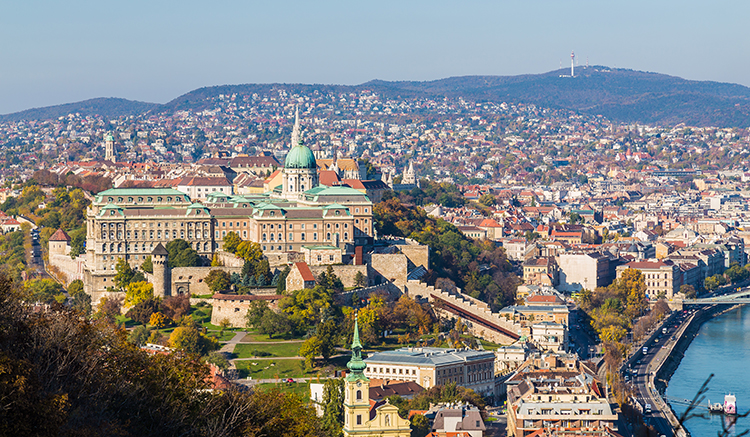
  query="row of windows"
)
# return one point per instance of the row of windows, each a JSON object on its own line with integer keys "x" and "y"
{"x": 158, "y": 235}
{"x": 401, "y": 371}
{"x": 271, "y": 236}
{"x": 148, "y": 247}
{"x": 148, "y": 199}
{"x": 119, "y": 226}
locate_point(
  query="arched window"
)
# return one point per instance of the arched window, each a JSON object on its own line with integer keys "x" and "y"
{"x": 359, "y": 395}
{"x": 328, "y": 236}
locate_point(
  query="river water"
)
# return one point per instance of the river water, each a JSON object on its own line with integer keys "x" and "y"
{"x": 722, "y": 347}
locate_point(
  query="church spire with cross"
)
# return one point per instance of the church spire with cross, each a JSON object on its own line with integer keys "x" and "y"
{"x": 356, "y": 364}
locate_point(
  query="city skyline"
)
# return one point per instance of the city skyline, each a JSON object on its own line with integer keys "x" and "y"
{"x": 154, "y": 53}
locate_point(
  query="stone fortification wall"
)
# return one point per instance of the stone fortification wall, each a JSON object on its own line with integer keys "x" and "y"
{"x": 417, "y": 254}
{"x": 234, "y": 307}
{"x": 191, "y": 280}
{"x": 282, "y": 260}
{"x": 229, "y": 259}
{"x": 71, "y": 269}
{"x": 388, "y": 268}
{"x": 477, "y": 315}
{"x": 345, "y": 272}
{"x": 390, "y": 291}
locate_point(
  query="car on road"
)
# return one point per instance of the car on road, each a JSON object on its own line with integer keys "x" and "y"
{"x": 289, "y": 380}
{"x": 647, "y": 409}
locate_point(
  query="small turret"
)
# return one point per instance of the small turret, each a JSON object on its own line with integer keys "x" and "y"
{"x": 162, "y": 273}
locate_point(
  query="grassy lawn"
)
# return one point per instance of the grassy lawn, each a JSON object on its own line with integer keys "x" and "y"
{"x": 228, "y": 335}
{"x": 271, "y": 369}
{"x": 286, "y": 368}
{"x": 275, "y": 350}
{"x": 126, "y": 321}
{"x": 255, "y": 337}
{"x": 201, "y": 315}
{"x": 300, "y": 388}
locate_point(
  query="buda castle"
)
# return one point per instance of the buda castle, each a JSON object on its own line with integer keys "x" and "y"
{"x": 129, "y": 223}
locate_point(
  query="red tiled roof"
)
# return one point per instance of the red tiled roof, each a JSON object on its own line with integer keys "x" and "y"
{"x": 59, "y": 235}
{"x": 304, "y": 270}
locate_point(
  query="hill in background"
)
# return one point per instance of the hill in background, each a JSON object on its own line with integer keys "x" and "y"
{"x": 620, "y": 95}
{"x": 105, "y": 106}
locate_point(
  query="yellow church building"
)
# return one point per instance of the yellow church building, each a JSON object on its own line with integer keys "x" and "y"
{"x": 362, "y": 417}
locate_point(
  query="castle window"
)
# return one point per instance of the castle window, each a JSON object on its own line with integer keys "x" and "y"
{"x": 320, "y": 257}
{"x": 291, "y": 226}
{"x": 302, "y": 237}
{"x": 328, "y": 236}
{"x": 356, "y": 209}
{"x": 291, "y": 237}
{"x": 315, "y": 226}
{"x": 366, "y": 210}
{"x": 346, "y": 236}
{"x": 359, "y": 419}
{"x": 315, "y": 236}
{"x": 359, "y": 395}
{"x": 130, "y": 199}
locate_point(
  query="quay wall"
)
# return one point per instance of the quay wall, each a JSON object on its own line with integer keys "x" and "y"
{"x": 684, "y": 337}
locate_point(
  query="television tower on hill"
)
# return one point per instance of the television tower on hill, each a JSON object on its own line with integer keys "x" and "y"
{"x": 572, "y": 64}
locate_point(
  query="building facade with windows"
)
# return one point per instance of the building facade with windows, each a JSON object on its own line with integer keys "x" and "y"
{"x": 429, "y": 367}
{"x": 128, "y": 223}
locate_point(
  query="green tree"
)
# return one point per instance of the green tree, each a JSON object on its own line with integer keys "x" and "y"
{"x": 262, "y": 273}
{"x": 310, "y": 349}
{"x": 255, "y": 313}
{"x": 711, "y": 283}
{"x": 420, "y": 425}
{"x": 42, "y": 290}
{"x": 82, "y": 303}
{"x": 281, "y": 280}
{"x": 487, "y": 199}
{"x": 688, "y": 290}
{"x": 75, "y": 288}
{"x": 148, "y": 265}
{"x": 250, "y": 252}
{"x": 124, "y": 274}
{"x": 333, "y": 406}
{"x": 185, "y": 339}
{"x": 231, "y": 241}
{"x": 359, "y": 279}
{"x": 218, "y": 359}
{"x": 139, "y": 336}
{"x": 273, "y": 323}
{"x": 137, "y": 292}
{"x": 218, "y": 280}
{"x": 181, "y": 254}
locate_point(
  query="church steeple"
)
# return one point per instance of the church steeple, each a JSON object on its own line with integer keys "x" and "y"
{"x": 356, "y": 364}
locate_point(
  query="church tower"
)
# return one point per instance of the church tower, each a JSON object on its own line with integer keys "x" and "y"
{"x": 300, "y": 168}
{"x": 357, "y": 421}
{"x": 109, "y": 148}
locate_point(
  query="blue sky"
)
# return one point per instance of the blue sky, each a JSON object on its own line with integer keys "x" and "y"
{"x": 61, "y": 52}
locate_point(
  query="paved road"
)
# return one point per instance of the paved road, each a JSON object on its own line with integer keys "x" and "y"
{"x": 643, "y": 371}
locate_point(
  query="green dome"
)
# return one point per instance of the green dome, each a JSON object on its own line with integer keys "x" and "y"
{"x": 300, "y": 157}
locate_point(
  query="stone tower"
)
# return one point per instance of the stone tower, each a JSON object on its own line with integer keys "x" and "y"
{"x": 162, "y": 273}
{"x": 109, "y": 148}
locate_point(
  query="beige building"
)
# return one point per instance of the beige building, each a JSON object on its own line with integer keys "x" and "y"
{"x": 661, "y": 277}
{"x": 429, "y": 367}
{"x": 583, "y": 270}
{"x": 558, "y": 398}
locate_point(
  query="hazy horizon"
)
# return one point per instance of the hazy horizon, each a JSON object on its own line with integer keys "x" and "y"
{"x": 78, "y": 50}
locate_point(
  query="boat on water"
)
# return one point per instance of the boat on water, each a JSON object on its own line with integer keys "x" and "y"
{"x": 730, "y": 404}
{"x": 716, "y": 408}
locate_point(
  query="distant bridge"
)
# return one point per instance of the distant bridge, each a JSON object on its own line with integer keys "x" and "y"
{"x": 726, "y": 299}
